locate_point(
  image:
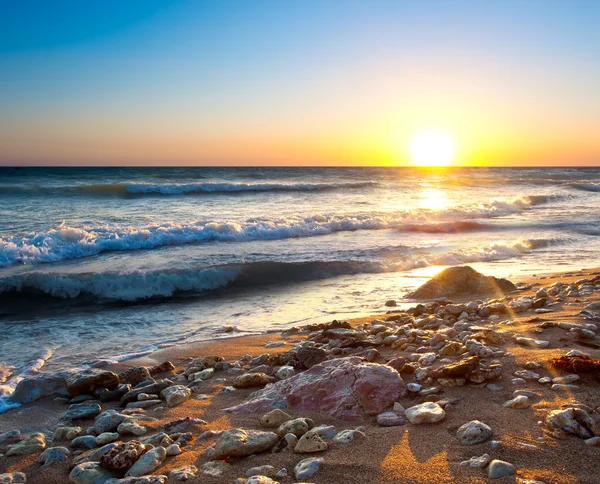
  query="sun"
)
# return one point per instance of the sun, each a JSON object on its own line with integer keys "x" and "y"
{"x": 432, "y": 148}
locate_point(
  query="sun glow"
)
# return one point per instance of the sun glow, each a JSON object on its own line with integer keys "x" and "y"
{"x": 432, "y": 148}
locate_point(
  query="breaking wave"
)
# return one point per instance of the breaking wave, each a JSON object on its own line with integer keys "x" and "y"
{"x": 66, "y": 242}
{"x": 123, "y": 188}
{"x": 140, "y": 285}
{"x": 586, "y": 187}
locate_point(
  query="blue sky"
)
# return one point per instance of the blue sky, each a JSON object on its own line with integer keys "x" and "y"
{"x": 331, "y": 82}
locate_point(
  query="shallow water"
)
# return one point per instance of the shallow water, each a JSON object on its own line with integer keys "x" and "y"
{"x": 102, "y": 264}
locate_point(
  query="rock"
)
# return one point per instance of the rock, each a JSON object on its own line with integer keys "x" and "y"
{"x": 203, "y": 375}
{"x": 397, "y": 363}
{"x": 173, "y": 449}
{"x": 54, "y": 455}
{"x": 565, "y": 380}
{"x": 87, "y": 381}
{"x": 285, "y": 372}
{"x": 184, "y": 424}
{"x": 307, "y": 468}
{"x": 139, "y": 480}
{"x": 106, "y": 438}
{"x": 32, "y": 444}
{"x": 106, "y": 395}
{"x": 428, "y": 412}
{"x": 13, "y": 478}
{"x": 572, "y": 421}
{"x": 473, "y": 432}
{"x": 344, "y": 387}
{"x": 84, "y": 442}
{"x": 108, "y": 421}
{"x": 310, "y": 442}
{"x": 83, "y": 410}
{"x": 266, "y": 470}
{"x": 156, "y": 387}
{"x": 122, "y": 456}
{"x": 91, "y": 473}
{"x": 390, "y": 419}
{"x": 533, "y": 343}
{"x": 240, "y": 442}
{"x": 520, "y": 401}
{"x": 183, "y": 474}
{"x": 499, "y": 468}
{"x": 325, "y": 431}
{"x": 308, "y": 357}
{"x": 458, "y": 369}
{"x": 135, "y": 375}
{"x": 130, "y": 426}
{"x": 249, "y": 380}
{"x": 260, "y": 480}
{"x": 31, "y": 389}
{"x": 462, "y": 280}
{"x": 10, "y": 436}
{"x": 297, "y": 426}
{"x": 215, "y": 468}
{"x": 274, "y": 418}
{"x": 348, "y": 435}
{"x": 162, "y": 368}
{"x": 477, "y": 462}
{"x": 147, "y": 463}
{"x": 175, "y": 395}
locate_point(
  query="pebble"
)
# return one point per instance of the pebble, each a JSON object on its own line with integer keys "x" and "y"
{"x": 520, "y": 401}
{"x": 53, "y": 455}
{"x": 473, "y": 432}
{"x": 499, "y": 468}
{"x": 13, "y": 478}
{"x": 428, "y": 412}
{"x": 310, "y": 442}
{"x": 107, "y": 438}
{"x": 307, "y": 467}
{"x": 32, "y": 444}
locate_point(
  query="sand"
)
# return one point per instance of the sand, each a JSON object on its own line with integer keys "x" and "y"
{"x": 405, "y": 454}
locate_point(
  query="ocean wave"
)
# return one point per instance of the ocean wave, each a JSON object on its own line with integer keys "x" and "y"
{"x": 138, "y": 188}
{"x": 141, "y": 285}
{"x": 586, "y": 187}
{"x": 66, "y": 242}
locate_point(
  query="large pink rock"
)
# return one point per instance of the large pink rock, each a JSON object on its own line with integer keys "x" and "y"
{"x": 345, "y": 387}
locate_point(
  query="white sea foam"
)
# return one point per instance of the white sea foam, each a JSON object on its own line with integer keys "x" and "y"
{"x": 65, "y": 242}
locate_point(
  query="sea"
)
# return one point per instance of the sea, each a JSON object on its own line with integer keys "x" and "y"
{"x": 104, "y": 264}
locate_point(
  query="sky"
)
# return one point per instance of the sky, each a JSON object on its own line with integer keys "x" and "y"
{"x": 306, "y": 82}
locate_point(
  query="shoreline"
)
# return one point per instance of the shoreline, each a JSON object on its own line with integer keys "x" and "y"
{"x": 406, "y": 453}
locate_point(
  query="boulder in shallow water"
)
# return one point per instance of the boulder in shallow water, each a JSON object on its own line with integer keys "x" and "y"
{"x": 461, "y": 281}
{"x": 32, "y": 389}
{"x": 347, "y": 388}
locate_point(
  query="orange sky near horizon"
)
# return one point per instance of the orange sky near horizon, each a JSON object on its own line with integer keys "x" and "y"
{"x": 221, "y": 84}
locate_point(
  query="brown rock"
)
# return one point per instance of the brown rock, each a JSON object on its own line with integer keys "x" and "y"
{"x": 249, "y": 380}
{"x": 122, "y": 456}
{"x": 462, "y": 280}
{"x": 460, "y": 368}
{"x": 87, "y": 381}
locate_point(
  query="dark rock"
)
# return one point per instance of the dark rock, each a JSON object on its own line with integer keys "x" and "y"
{"x": 162, "y": 368}
{"x": 106, "y": 395}
{"x": 83, "y": 410}
{"x": 460, "y": 368}
{"x": 308, "y": 357}
{"x": 397, "y": 363}
{"x": 135, "y": 375}
{"x": 87, "y": 381}
{"x": 462, "y": 280}
{"x": 391, "y": 303}
{"x": 577, "y": 364}
{"x": 122, "y": 456}
{"x": 31, "y": 389}
{"x": 154, "y": 388}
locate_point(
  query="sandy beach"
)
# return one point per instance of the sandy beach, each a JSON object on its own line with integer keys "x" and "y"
{"x": 411, "y": 453}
